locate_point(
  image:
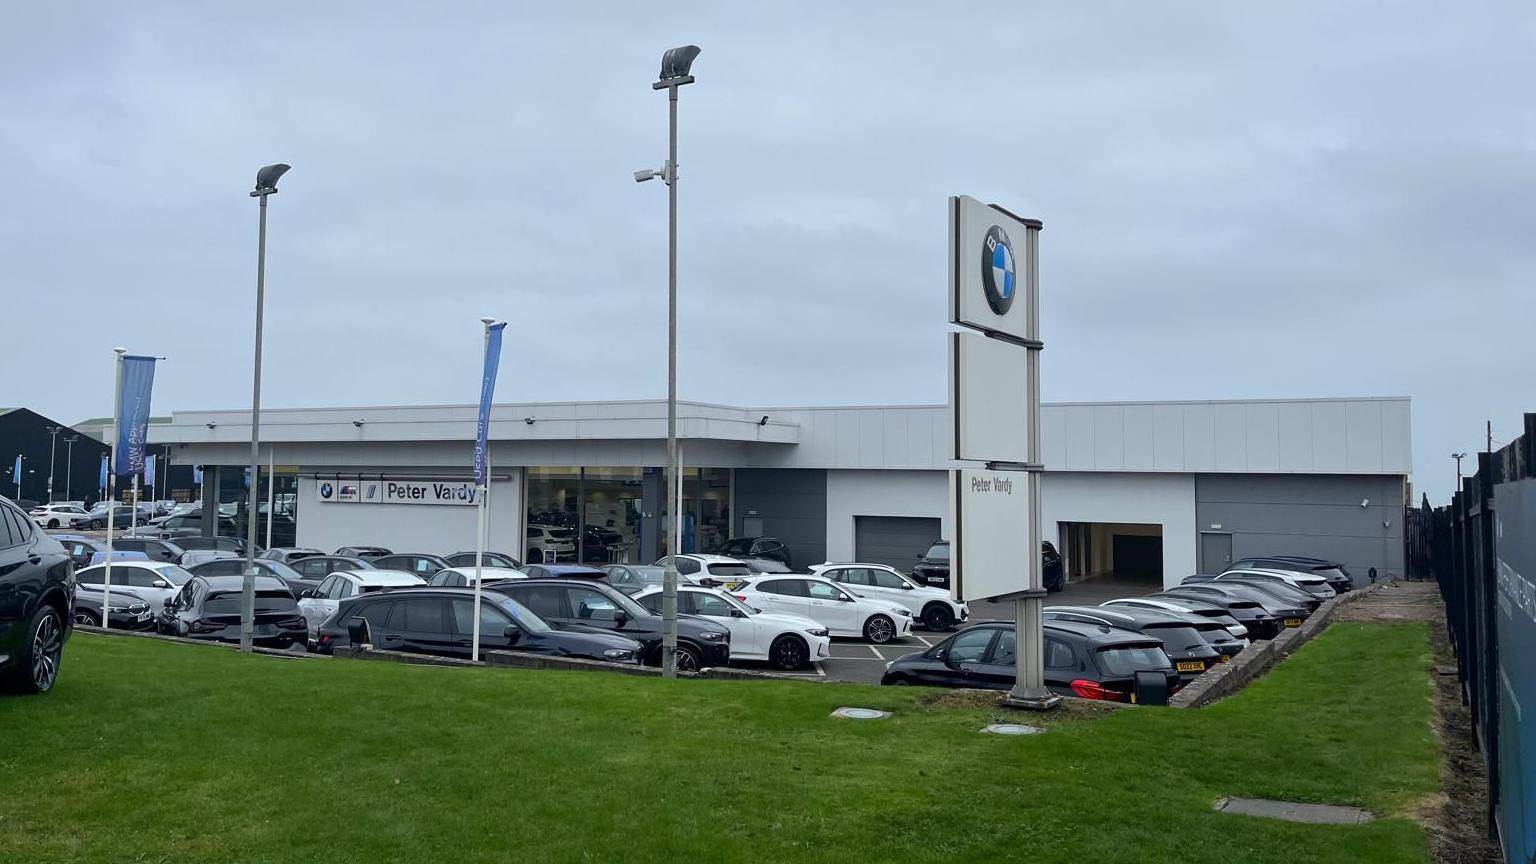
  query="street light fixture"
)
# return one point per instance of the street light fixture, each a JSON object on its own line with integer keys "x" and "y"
{"x": 1458, "y": 457}
{"x": 266, "y": 184}
{"x": 53, "y": 444}
{"x": 676, "y": 64}
{"x": 69, "y": 466}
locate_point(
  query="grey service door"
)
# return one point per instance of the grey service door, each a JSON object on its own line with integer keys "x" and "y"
{"x": 893, "y": 540}
{"x": 1215, "y": 552}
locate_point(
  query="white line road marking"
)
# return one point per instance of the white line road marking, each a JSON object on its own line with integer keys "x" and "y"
{"x": 877, "y": 651}
{"x": 924, "y": 641}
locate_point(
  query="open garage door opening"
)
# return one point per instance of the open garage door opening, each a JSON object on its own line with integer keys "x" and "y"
{"x": 1119, "y": 552}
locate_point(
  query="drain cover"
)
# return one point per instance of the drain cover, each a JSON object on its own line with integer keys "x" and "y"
{"x": 1013, "y": 729}
{"x": 860, "y": 713}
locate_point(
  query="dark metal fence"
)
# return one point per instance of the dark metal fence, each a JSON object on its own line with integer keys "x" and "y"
{"x": 1482, "y": 550}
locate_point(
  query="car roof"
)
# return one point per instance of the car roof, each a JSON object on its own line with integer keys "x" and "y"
{"x": 137, "y": 562}
{"x": 380, "y": 577}
{"x": 828, "y": 565}
{"x": 410, "y": 555}
{"x": 1170, "y": 604}
{"x": 1128, "y": 616}
{"x": 557, "y": 569}
{"x": 235, "y": 583}
{"x": 710, "y": 559}
{"x": 1271, "y": 571}
{"x": 1097, "y": 635}
{"x": 486, "y": 573}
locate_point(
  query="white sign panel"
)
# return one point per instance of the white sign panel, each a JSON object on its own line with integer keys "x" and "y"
{"x": 991, "y": 257}
{"x": 444, "y": 492}
{"x": 989, "y": 399}
{"x": 990, "y": 552}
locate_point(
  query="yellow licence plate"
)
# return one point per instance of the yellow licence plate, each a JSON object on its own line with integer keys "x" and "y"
{"x": 1190, "y": 666}
{"x": 1293, "y": 622}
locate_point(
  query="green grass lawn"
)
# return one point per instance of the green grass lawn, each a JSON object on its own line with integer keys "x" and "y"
{"x": 150, "y": 751}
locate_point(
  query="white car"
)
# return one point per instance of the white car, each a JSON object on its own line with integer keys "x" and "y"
{"x": 832, "y": 606}
{"x": 1314, "y": 585}
{"x": 155, "y": 581}
{"x": 710, "y": 570}
{"x": 1186, "y": 607}
{"x": 548, "y": 544}
{"x": 932, "y": 606}
{"x": 55, "y": 515}
{"x": 464, "y": 577}
{"x": 786, "y": 641}
{"x": 320, "y": 603}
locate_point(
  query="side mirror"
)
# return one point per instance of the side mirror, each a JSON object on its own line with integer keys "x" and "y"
{"x": 737, "y": 613}
{"x": 620, "y": 617}
{"x": 161, "y": 583}
{"x": 309, "y": 593}
{"x": 906, "y": 586}
{"x": 512, "y": 634}
{"x": 167, "y": 603}
{"x": 845, "y": 598}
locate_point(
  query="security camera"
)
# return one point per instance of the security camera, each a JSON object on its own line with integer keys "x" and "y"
{"x": 211, "y": 424}
{"x": 764, "y": 421}
{"x": 1365, "y": 502}
{"x": 357, "y": 423}
{"x": 528, "y": 420}
{"x": 647, "y": 174}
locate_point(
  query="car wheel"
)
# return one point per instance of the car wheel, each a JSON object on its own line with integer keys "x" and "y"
{"x": 87, "y": 618}
{"x": 938, "y": 617}
{"x": 39, "y": 666}
{"x": 53, "y": 523}
{"x": 97, "y": 524}
{"x": 687, "y": 659}
{"x": 879, "y": 629}
{"x": 789, "y": 652}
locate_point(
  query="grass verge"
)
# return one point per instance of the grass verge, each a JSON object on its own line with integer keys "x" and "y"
{"x": 149, "y": 751}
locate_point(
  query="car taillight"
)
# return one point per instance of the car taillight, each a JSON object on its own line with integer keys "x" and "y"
{"x": 741, "y": 597}
{"x": 325, "y": 639}
{"x": 1094, "y": 690}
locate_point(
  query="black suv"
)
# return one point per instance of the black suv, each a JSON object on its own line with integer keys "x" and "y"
{"x": 582, "y": 604}
{"x": 932, "y": 567}
{"x": 37, "y": 583}
{"x": 771, "y": 548}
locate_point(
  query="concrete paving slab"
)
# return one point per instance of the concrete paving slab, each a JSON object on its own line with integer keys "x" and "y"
{"x": 1292, "y": 811}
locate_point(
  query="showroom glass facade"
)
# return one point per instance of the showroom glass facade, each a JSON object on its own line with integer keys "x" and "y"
{"x": 619, "y": 515}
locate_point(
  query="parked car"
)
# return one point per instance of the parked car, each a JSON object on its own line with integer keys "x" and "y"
{"x": 1317, "y": 586}
{"x": 362, "y": 551}
{"x": 709, "y": 570}
{"x": 766, "y": 565}
{"x": 296, "y": 581}
{"x": 155, "y": 581}
{"x": 634, "y": 578}
{"x": 785, "y": 641}
{"x": 209, "y": 607}
{"x": 1183, "y": 641}
{"x": 55, "y": 515}
{"x": 129, "y": 610}
{"x": 575, "y": 603}
{"x": 1089, "y": 661}
{"x": 832, "y": 606}
{"x": 200, "y": 549}
{"x": 321, "y": 566}
{"x": 1287, "y": 613}
{"x": 440, "y": 621}
{"x": 931, "y": 606}
{"x": 550, "y": 543}
{"x": 155, "y": 550}
{"x": 421, "y": 564}
{"x": 1187, "y": 606}
{"x": 932, "y": 568}
{"x": 36, "y": 581}
{"x": 100, "y": 555}
{"x": 756, "y": 547}
{"x": 80, "y": 549}
{"x": 27, "y": 505}
{"x": 598, "y": 543}
{"x": 1271, "y": 585}
{"x": 287, "y": 554}
{"x": 562, "y": 571}
{"x": 1332, "y": 572}
{"x": 96, "y": 520}
{"x": 488, "y": 559}
{"x": 193, "y": 521}
{"x": 320, "y": 602}
{"x": 464, "y": 577}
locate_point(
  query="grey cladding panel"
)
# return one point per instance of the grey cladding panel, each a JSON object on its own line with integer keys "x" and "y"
{"x": 792, "y": 504}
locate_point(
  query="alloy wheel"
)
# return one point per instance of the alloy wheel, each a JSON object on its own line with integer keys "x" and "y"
{"x": 880, "y": 630}
{"x": 687, "y": 661}
{"x": 47, "y": 644}
{"x": 790, "y": 653}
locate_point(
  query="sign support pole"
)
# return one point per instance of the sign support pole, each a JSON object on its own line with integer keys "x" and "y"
{"x": 117, "y": 402}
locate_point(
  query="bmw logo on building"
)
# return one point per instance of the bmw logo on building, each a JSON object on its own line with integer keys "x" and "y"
{"x": 997, "y": 270}
{"x": 326, "y": 491}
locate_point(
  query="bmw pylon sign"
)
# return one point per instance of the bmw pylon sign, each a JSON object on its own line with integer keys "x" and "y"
{"x": 992, "y": 266}
{"x": 998, "y": 271}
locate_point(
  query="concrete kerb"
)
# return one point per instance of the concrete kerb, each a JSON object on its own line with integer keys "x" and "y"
{"x": 1258, "y": 657}
{"x": 202, "y": 643}
{"x": 525, "y": 660}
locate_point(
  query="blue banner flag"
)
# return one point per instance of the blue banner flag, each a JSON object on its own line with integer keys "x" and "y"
{"x": 487, "y": 391}
{"x": 133, "y": 414}
{"x": 149, "y": 473}
{"x": 197, "y": 474}
{"x": 16, "y": 470}
{"x": 102, "y": 484}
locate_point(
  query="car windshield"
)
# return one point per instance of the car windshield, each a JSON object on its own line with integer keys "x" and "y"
{"x": 628, "y": 604}
{"x": 279, "y": 569}
{"x": 1129, "y": 661}
{"x": 649, "y": 575}
{"x": 267, "y": 602}
{"x": 736, "y": 604}
{"x": 938, "y": 552}
{"x": 529, "y": 622}
{"x": 175, "y": 548}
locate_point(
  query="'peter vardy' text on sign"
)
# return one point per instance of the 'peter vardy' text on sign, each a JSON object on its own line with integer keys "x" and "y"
{"x": 996, "y": 483}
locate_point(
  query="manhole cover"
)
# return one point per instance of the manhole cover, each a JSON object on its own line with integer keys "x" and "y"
{"x": 1295, "y": 811}
{"x": 860, "y": 713}
{"x": 1013, "y": 729}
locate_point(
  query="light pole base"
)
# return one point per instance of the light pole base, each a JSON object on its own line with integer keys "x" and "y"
{"x": 1031, "y": 700}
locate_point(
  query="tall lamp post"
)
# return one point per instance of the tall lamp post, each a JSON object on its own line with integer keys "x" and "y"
{"x": 53, "y": 444}
{"x": 266, "y": 184}
{"x": 675, "y": 65}
{"x": 69, "y": 466}
{"x": 1458, "y": 457}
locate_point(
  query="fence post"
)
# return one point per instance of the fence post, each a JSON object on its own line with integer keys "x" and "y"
{"x": 1487, "y": 477}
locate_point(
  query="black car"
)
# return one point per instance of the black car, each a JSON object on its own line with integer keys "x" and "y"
{"x": 208, "y": 607}
{"x": 1332, "y": 572}
{"x": 1249, "y": 613}
{"x": 1289, "y": 613}
{"x": 756, "y": 547}
{"x": 122, "y": 517}
{"x": 421, "y": 564}
{"x": 129, "y": 610}
{"x": 36, "y": 582}
{"x": 81, "y": 550}
{"x": 154, "y": 550}
{"x": 1271, "y": 584}
{"x": 296, "y": 581}
{"x": 575, "y": 603}
{"x": 320, "y": 566}
{"x": 440, "y": 621}
{"x": 218, "y": 544}
{"x": 932, "y": 568}
{"x": 1183, "y": 640}
{"x": 598, "y": 543}
{"x": 634, "y": 578}
{"x": 1085, "y": 660}
{"x": 193, "y": 520}
{"x": 362, "y": 551}
{"x": 1212, "y": 612}
{"x": 487, "y": 559}
{"x": 564, "y": 571}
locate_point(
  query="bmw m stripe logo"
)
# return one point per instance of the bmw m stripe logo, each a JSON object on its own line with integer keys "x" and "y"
{"x": 997, "y": 270}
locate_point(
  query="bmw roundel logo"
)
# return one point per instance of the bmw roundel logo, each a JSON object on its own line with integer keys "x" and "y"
{"x": 997, "y": 270}
{"x": 326, "y": 490}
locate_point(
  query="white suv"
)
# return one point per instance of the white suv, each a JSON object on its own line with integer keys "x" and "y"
{"x": 710, "y": 570}
{"x": 787, "y": 641}
{"x": 840, "y": 611}
{"x": 932, "y": 606}
{"x": 548, "y": 544}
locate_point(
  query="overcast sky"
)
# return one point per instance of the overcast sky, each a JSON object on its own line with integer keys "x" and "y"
{"x": 1315, "y": 199}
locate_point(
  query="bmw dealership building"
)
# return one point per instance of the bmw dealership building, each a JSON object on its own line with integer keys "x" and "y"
{"x": 1145, "y": 490}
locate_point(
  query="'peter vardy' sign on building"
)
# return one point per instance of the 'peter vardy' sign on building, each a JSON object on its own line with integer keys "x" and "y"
{"x": 453, "y": 492}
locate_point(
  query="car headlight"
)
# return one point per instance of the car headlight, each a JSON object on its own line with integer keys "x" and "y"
{"x": 819, "y": 631}
{"x": 622, "y": 655}
{"x": 712, "y": 636}
{"x": 118, "y": 609}
{"x": 906, "y": 612}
